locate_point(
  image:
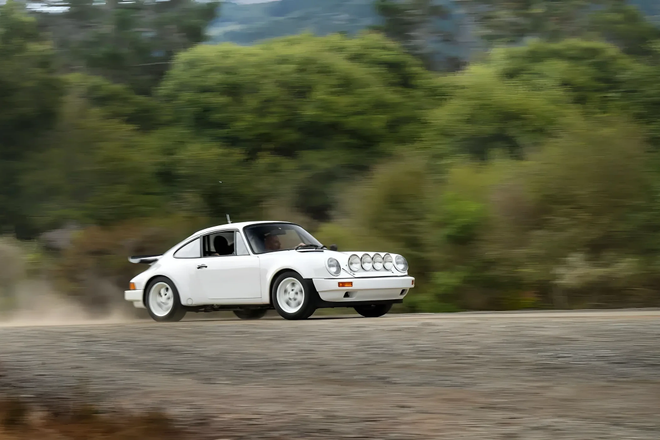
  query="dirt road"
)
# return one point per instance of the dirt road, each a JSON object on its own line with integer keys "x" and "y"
{"x": 468, "y": 376}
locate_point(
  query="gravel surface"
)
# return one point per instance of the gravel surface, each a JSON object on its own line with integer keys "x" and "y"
{"x": 466, "y": 376}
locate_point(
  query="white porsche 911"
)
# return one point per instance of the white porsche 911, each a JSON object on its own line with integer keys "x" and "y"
{"x": 252, "y": 267}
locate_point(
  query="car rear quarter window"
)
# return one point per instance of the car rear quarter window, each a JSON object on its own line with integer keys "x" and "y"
{"x": 190, "y": 250}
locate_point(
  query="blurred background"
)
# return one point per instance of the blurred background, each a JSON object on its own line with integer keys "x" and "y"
{"x": 508, "y": 149}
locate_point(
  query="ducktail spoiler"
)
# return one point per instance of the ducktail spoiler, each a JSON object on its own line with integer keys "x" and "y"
{"x": 144, "y": 259}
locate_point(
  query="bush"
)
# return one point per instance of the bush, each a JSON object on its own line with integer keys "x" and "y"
{"x": 95, "y": 269}
{"x": 573, "y": 213}
{"x": 12, "y": 270}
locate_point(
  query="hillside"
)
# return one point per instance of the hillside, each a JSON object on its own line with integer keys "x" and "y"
{"x": 649, "y": 7}
{"x": 248, "y": 21}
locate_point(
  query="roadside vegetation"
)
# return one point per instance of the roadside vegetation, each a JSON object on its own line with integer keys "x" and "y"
{"x": 526, "y": 175}
{"x": 20, "y": 421}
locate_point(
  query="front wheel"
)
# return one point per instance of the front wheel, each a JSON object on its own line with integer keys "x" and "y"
{"x": 162, "y": 301}
{"x": 290, "y": 297}
{"x": 251, "y": 313}
{"x": 373, "y": 310}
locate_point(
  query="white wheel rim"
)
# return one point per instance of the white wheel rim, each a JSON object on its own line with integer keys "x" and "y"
{"x": 161, "y": 299}
{"x": 290, "y": 295}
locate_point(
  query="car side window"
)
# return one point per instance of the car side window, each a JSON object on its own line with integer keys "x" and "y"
{"x": 220, "y": 244}
{"x": 241, "y": 248}
{"x": 190, "y": 250}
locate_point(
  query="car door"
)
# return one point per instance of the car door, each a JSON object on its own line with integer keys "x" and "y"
{"x": 232, "y": 276}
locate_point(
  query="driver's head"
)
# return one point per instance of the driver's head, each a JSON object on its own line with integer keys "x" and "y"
{"x": 272, "y": 243}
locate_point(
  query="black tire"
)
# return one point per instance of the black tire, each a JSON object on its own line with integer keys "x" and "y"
{"x": 308, "y": 306}
{"x": 176, "y": 313}
{"x": 373, "y": 310}
{"x": 250, "y": 313}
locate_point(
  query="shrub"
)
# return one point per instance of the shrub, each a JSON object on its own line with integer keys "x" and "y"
{"x": 95, "y": 269}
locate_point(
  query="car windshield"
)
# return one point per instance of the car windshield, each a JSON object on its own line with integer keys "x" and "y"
{"x": 271, "y": 237}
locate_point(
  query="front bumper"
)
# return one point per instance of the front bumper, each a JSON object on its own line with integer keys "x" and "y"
{"x": 363, "y": 289}
{"x": 135, "y": 296}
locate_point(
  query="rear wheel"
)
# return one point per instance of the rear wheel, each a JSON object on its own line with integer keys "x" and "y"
{"x": 162, "y": 301}
{"x": 290, "y": 297}
{"x": 250, "y": 313}
{"x": 373, "y": 310}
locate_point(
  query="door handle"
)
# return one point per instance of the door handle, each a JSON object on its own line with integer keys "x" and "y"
{"x": 202, "y": 266}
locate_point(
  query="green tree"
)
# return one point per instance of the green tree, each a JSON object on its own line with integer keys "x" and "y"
{"x": 423, "y": 27}
{"x": 29, "y": 98}
{"x": 117, "y": 101}
{"x": 98, "y": 171}
{"x": 303, "y": 94}
{"x": 487, "y": 115}
{"x": 627, "y": 27}
{"x": 514, "y": 21}
{"x": 209, "y": 178}
{"x": 595, "y": 75}
{"x": 130, "y": 43}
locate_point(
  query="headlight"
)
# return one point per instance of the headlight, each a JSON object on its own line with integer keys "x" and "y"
{"x": 333, "y": 266}
{"x": 378, "y": 262}
{"x": 401, "y": 263}
{"x": 388, "y": 262}
{"x": 354, "y": 263}
{"x": 366, "y": 262}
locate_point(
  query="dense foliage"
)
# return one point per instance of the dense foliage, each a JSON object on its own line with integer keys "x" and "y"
{"x": 127, "y": 42}
{"x": 528, "y": 178}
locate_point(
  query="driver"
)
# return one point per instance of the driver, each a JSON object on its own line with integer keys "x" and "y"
{"x": 272, "y": 243}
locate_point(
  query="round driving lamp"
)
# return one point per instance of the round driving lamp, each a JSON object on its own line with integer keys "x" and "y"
{"x": 400, "y": 263}
{"x": 378, "y": 262}
{"x": 366, "y": 262}
{"x": 388, "y": 262}
{"x": 354, "y": 263}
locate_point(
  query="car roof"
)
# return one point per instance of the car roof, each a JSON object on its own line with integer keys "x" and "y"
{"x": 219, "y": 228}
{"x": 239, "y": 225}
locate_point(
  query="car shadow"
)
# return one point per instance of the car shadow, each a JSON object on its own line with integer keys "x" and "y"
{"x": 272, "y": 318}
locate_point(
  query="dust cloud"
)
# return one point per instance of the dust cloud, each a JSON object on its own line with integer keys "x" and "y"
{"x": 36, "y": 303}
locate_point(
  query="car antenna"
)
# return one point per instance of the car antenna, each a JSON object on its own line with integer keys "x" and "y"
{"x": 228, "y": 219}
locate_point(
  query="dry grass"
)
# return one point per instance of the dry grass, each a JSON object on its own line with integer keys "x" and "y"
{"x": 19, "y": 422}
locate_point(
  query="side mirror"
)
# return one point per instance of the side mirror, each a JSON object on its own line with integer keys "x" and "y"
{"x": 333, "y": 247}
